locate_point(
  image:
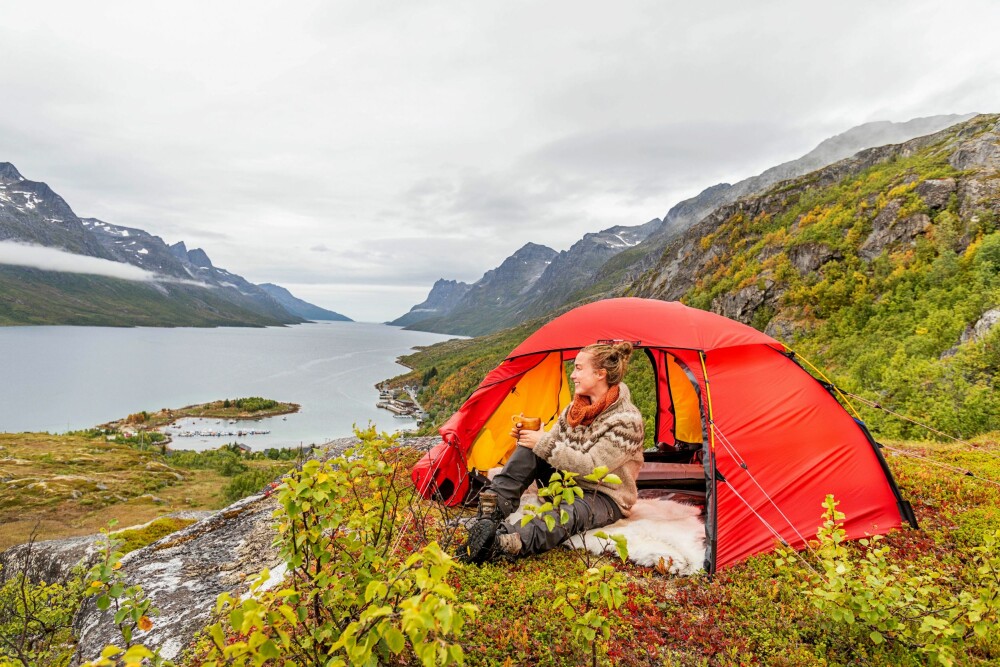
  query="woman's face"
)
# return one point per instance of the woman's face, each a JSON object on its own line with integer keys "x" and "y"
{"x": 586, "y": 378}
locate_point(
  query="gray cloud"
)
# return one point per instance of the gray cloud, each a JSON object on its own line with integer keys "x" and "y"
{"x": 264, "y": 135}
{"x": 51, "y": 259}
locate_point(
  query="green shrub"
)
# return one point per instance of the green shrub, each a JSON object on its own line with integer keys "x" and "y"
{"x": 587, "y": 602}
{"x": 131, "y": 608}
{"x": 254, "y": 404}
{"x": 250, "y": 482}
{"x": 351, "y": 597}
{"x": 914, "y": 605}
{"x": 36, "y": 620}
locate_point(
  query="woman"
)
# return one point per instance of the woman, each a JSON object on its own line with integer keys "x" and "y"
{"x": 601, "y": 427}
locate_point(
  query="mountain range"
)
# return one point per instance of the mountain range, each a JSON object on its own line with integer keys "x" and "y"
{"x": 609, "y": 261}
{"x": 176, "y": 287}
{"x": 881, "y": 269}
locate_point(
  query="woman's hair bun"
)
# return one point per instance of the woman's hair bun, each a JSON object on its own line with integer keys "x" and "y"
{"x": 623, "y": 348}
{"x": 612, "y": 357}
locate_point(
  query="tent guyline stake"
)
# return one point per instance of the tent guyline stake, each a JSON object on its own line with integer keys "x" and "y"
{"x": 776, "y": 534}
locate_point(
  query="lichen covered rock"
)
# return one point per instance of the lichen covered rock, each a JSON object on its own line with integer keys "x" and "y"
{"x": 185, "y": 572}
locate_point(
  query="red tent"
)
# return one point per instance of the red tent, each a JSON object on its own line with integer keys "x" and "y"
{"x": 736, "y": 415}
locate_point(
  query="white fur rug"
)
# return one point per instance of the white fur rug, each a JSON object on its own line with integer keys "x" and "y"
{"x": 661, "y": 533}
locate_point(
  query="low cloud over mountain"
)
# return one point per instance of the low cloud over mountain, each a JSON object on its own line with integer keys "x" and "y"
{"x": 53, "y": 259}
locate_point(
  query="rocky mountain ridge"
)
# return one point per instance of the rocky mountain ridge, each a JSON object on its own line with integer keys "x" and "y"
{"x": 192, "y": 287}
{"x": 891, "y": 225}
{"x": 303, "y": 309}
{"x": 584, "y": 274}
{"x": 532, "y": 281}
{"x": 442, "y": 299}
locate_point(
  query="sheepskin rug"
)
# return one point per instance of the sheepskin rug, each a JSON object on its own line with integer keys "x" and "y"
{"x": 661, "y": 533}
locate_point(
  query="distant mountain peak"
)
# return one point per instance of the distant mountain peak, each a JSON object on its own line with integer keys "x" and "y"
{"x": 301, "y": 308}
{"x": 199, "y": 258}
{"x": 9, "y": 173}
{"x": 179, "y": 250}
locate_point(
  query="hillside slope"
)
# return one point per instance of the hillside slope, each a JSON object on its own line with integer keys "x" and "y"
{"x": 880, "y": 266}
{"x": 300, "y": 308}
{"x": 603, "y": 262}
{"x": 186, "y": 289}
{"x": 34, "y": 297}
{"x": 884, "y": 269}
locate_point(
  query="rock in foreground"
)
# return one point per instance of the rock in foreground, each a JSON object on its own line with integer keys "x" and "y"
{"x": 184, "y": 573}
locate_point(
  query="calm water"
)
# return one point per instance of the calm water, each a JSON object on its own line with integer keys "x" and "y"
{"x": 64, "y": 378}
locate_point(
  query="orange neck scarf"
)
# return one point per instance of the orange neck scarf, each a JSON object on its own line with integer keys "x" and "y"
{"x": 582, "y": 411}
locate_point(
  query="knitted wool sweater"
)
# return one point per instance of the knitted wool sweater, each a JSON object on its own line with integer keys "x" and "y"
{"x": 614, "y": 439}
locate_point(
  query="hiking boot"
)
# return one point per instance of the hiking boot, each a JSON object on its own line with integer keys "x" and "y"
{"x": 489, "y": 541}
{"x": 480, "y": 545}
{"x": 489, "y": 508}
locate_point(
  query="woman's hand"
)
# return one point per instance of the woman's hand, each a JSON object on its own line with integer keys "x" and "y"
{"x": 526, "y": 438}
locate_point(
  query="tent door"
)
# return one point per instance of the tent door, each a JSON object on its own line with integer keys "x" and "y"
{"x": 679, "y": 406}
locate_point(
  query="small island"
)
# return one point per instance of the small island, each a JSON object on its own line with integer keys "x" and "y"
{"x": 252, "y": 407}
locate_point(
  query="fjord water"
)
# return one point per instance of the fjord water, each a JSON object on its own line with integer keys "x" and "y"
{"x": 57, "y": 378}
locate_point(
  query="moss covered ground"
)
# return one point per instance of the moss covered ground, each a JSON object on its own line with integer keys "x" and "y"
{"x": 753, "y": 613}
{"x": 70, "y": 485}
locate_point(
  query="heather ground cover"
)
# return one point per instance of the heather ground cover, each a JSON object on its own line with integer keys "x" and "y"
{"x": 361, "y": 542}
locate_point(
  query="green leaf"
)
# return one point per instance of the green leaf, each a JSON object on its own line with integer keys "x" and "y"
{"x": 268, "y": 650}
{"x": 394, "y": 640}
{"x": 217, "y": 636}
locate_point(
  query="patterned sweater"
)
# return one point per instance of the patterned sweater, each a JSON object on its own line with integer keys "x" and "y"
{"x": 614, "y": 439}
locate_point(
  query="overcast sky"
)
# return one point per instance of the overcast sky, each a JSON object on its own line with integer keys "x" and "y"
{"x": 356, "y": 152}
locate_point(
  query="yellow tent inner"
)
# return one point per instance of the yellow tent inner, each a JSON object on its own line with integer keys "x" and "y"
{"x": 684, "y": 398}
{"x": 541, "y": 392}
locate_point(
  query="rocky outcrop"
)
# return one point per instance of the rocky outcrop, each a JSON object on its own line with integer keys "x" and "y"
{"x": 809, "y": 257}
{"x": 972, "y": 154}
{"x": 888, "y": 230}
{"x": 741, "y": 305}
{"x": 982, "y": 327}
{"x": 50, "y": 561}
{"x": 936, "y": 191}
{"x": 185, "y": 572}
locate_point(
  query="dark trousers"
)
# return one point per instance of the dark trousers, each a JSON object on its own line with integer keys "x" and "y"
{"x": 524, "y": 467}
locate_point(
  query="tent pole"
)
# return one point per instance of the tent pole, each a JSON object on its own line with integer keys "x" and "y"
{"x": 711, "y": 499}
